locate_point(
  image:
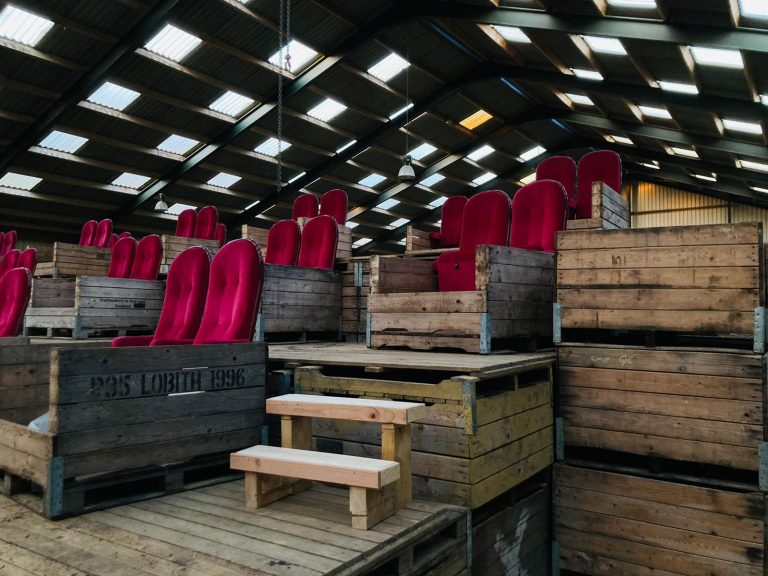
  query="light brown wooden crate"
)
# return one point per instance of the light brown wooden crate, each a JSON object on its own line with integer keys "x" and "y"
{"x": 71, "y": 260}
{"x": 261, "y": 235}
{"x": 174, "y": 245}
{"x": 610, "y": 211}
{"x": 416, "y": 239}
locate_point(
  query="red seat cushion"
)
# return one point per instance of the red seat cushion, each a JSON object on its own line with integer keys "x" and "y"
{"x": 318, "y": 243}
{"x": 539, "y": 211}
{"x": 485, "y": 220}
{"x": 304, "y": 206}
{"x": 9, "y": 261}
{"x": 221, "y": 234}
{"x": 207, "y": 219}
{"x": 450, "y": 224}
{"x": 560, "y": 169}
{"x": 283, "y": 243}
{"x": 28, "y": 260}
{"x": 334, "y": 203}
{"x": 15, "y": 287}
{"x": 8, "y": 242}
{"x": 234, "y": 293}
{"x": 87, "y": 233}
{"x": 103, "y": 234}
{"x": 121, "y": 261}
{"x": 598, "y": 166}
{"x": 146, "y": 262}
{"x": 186, "y": 223}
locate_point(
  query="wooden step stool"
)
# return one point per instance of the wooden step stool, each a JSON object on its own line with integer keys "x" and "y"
{"x": 377, "y": 488}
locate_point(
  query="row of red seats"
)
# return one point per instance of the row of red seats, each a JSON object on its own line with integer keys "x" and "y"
{"x": 140, "y": 261}
{"x": 26, "y": 258}
{"x": 208, "y": 302}
{"x": 204, "y": 225}
{"x": 312, "y": 247}
{"x": 530, "y": 221}
{"x": 333, "y": 203}
{"x": 7, "y": 242}
{"x": 96, "y": 234}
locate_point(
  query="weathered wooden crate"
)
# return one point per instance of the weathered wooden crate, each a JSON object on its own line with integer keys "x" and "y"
{"x": 355, "y": 288}
{"x": 87, "y": 305}
{"x": 302, "y": 303}
{"x": 703, "y": 406}
{"x": 489, "y": 424}
{"x": 416, "y": 240}
{"x": 512, "y": 300}
{"x": 73, "y": 260}
{"x": 703, "y": 280}
{"x": 343, "y": 248}
{"x": 175, "y": 245}
{"x": 258, "y": 235}
{"x": 608, "y": 524}
{"x": 121, "y": 415}
{"x": 610, "y": 210}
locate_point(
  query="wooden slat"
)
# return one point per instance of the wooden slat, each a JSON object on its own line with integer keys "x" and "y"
{"x": 363, "y": 410}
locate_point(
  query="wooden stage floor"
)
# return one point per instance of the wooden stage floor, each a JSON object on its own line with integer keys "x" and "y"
{"x": 208, "y": 532}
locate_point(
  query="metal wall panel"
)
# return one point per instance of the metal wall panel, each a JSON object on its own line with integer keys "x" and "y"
{"x": 654, "y": 205}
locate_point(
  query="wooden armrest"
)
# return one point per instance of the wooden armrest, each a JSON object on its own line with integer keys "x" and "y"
{"x": 356, "y": 409}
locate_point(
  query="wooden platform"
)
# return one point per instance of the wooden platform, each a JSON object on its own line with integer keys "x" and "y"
{"x": 208, "y": 532}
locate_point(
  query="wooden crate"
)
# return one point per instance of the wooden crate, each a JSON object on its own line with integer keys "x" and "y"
{"x": 685, "y": 404}
{"x": 300, "y": 302}
{"x": 118, "y": 415}
{"x": 355, "y": 288}
{"x": 608, "y": 524}
{"x": 512, "y": 301}
{"x": 489, "y": 424}
{"x": 705, "y": 280}
{"x": 258, "y": 235}
{"x": 71, "y": 260}
{"x": 416, "y": 240}
{"x": 610, "y": 210}
{"x": 175, "y": 245}
{"x": 87, "y": 305}
{"x": 343, "y": 248}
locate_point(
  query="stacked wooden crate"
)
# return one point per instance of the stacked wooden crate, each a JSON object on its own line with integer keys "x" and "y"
{"x": 343, "y": 247}
{"x": 71, "y": 260}
{"x": 610, "y": 210}
{"x": 355, "y": 288}
{"x": 662, "y": 386}
{"x": 175, "y": 245}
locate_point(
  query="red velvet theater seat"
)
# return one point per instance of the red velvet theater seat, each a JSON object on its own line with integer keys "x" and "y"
{"x": 28, "y": 260}
{"x": 485, "y": 221}
{"x": 318, "y": 243}
{"x": 87, "y": 233}
{"x": 103, "y": 234}
{"x": 207, "y": 219}
{"x": 186, "y": 223}
{"x": 146, "y": 262}
{"x": 8, "y": 242}
{"x": 450, "y": 224}
{"x": 121, "y": 262}
{"x": 184, "y": 301}
{"x": 283, "y": 243}
{"x": 598, "y": 166}
{"x": 15, "y": 287}
{"x": 234, "y": 293}
{"x": 112, "y": 240}
{"x": 334, "y": 203}
{"x": 2, "y": 237}
{"x": 539, "y": 211}
{"x": 9, "y": 261}
{"x": 123, "y": 235}
{"x": 560, "y": 169}
{"x": 304, "y": 206}
{"x": 221, "y": 234}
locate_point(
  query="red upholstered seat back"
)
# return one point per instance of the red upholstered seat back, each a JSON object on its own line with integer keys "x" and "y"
{"x": 123, "y": 235}
{"x": 112, "y": 240}
{"x": 560, "y": 169}
{"x": 103, "y": 233}
{"x": 304, "y": 206}
{"x": 28, "y": 259}
{"x": 598, "y": 166}
{"x": 334, "y": 203}
{"x": 2, "y": 237}
{"x": 207, "y": 220}
{"x": 283, "y": 243}
{"x": 15, "y": 287}
{"x": 185, "y": 292}
{"x": 539, "y": 211}
{"x": 221, "y": 234}
{"x": 9, "y": 261}
{"x": 450, "y": 225}
{"x": 234, "y": 293}
{"x": 146, "y": 262}
{"x": 121, "y": 262}
{"x": 186, "y": 223}
{"x": 8, "y": 242}
{"x": 87, "y": 233}
{"x": 318, "y": 243}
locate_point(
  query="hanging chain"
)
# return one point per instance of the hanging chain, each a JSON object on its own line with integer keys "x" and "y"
{"x": 281, "y": 53}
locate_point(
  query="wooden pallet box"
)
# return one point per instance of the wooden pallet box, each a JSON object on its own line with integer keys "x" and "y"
{"x": 512, "y": 300}
{"x": 704, "y": 280}
{"x": 87, "y": 305}
{"x": 488, "y": 426}
{"x": 609, "y": 523}
{"x": 71, "y": 260}
{"x": 416, "y": 240}
{"x": 682, "y": 404}
{"x": 175, "y": 245}
{"x": 355, "y": 288}
{"x": 300, "y": 301}
{"x": 260, "y": 235}
{"x": 610, "y": 211}
{"x": 118, "y": 414}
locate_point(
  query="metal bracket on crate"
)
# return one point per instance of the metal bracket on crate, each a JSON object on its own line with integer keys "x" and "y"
{"x": 555, "y": 558}
{"x": 368, "y": 329}
{"x": 559, "y": 440}
{"x": 258, "y": 335}
{"x": 557, "y": 324}
{"x": 357, "y": 270}
{"x": 265, "y": 435}
{"x": 763, "y": 466}
{"x": 758, "y": 345}
{"x": 485, "y": 333}
{"x": 54, "y": 493}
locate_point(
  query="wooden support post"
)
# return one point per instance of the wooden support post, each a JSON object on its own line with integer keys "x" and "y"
{"x": 396, "y": 447}
{"x": 369, "y": 506}
{"x": 296, "y": 432}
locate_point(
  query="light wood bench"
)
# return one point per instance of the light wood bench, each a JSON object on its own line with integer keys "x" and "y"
{"x": 377, "y": 488}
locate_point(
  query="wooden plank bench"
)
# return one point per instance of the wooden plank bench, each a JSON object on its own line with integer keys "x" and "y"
{"x": 610, "y": 211}
{"x": 70, "y": 260}
{"x": 378, "y": 488}
{"x": 175, "y": 245}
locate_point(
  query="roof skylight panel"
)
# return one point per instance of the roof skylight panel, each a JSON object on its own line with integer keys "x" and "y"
{"x": 678, "y": 87}
{"x": 740, "y": 126}
{"x": 299, "y": 175}
{"x": 231, "y": 103}
{"x": 327, "y": 110}
{"x": 764, "y": 99}
{"x": 759, "y": 189}
{"x": 300, "y": 56}
{"x": 605, "y": 45}
{"x": 176, "y": 144}
{"x": 351, "y": 224}
{"x": 717, "y": 57}
{"x": 130, "y": 180}
{"x": 652, "y": 165}
{"x": 476, "y": 119}
{"x": 580, "y": 99}
{"x": 532, "y": 153}
{"x": 483, "y": 178}
{"x": 621, "y": 140}
{"x": 748, "y": 164}
{"x": 647, "y": 4}
{"x": 400, "y": 111}
{"x": 388, "y": 67}
{"x": 173, "y": 43}
{"x": 19, "y": 181}
{"x": 63, "y": 142}
{"x": 421, "y": 151}
{"x": 399, "y": 222}
{"x": 587, "y": 74}
{"x": 360, "y": 242}
{"x": 707, "y": 177}
{"x": 113, "y": 96}
{"x": 653, "y": 112}
{"x": 754, "y": 8}
{"x": 178, "y": 208}
{"x": 224, "y": 180}
{"x": 481, "y": 152}
{"x": 388, "y": 204}
{"x": 347, "y": 145}
{"x": 22, "y": 26}
{"x": 432, "y": 180}
{"x": 512, "y": 34}
{"x": 528, "y": 179}
{"x": 271, "y": 147}
{"x": 687, "y": 152}
{"x": 437, "y": 202}
{"x": 372, "y": 180}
